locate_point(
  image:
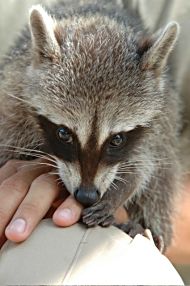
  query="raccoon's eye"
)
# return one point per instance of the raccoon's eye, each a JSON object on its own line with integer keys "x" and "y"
{"x": 64, "y": 135}
{"x": 117, "y": 140}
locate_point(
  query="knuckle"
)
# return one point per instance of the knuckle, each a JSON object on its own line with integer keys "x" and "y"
{"x": 11, "y": 166}
{"x": 11, "y": 163}
{"x": 13, "y": 184}
{"x": 29, "y": 208}
{"x": 44, "y": 178}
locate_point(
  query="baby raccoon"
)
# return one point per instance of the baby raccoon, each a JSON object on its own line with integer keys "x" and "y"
{"x": 89, "y": 86}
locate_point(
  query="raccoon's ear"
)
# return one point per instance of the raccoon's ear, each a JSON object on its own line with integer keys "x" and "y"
{"x": 45, "y": 45}
{"x": 154, "y": 51}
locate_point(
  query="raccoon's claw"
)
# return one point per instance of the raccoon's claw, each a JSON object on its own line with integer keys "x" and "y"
{"x": 159, "y": 242}
{"x": 108, "y": 221}
{"x": 99, "y": 214}
{"x": 131, "y": 228}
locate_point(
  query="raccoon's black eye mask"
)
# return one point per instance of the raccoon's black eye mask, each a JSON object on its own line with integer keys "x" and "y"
{"x": 63, "y": 143}
{"x": 60, "y": 140}
{"x": 127, "y": 142}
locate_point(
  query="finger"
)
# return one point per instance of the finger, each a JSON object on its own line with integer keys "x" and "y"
{"x": 33, "y": 208}
{"x": 63, "y": 194}
{"x": 68, "y": 213}
{"x": 13, "y": 191}
{"x": 13, "y": 166}
{"x": 9, "y": 169}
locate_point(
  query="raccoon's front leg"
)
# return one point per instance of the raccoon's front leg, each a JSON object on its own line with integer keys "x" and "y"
{"x": 153, "y": 209}
{"x": 102, "y": 212}
{"x": 133, "y": 228}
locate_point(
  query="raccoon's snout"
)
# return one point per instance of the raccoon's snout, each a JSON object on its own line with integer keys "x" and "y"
{"x": 87, "y": 196}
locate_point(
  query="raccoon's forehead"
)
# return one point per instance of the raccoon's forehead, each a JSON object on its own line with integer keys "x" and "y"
{"x": 86, "y": 110}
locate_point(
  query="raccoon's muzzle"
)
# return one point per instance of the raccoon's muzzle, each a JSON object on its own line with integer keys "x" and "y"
{"x": 87, "y": 196}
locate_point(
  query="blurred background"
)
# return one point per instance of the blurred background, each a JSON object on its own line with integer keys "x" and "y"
{"x": 14, "y": 15}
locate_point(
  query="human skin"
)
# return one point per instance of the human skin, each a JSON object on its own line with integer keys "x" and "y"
{"x": 30, "y": 192}
{"x": 27, "y": 192}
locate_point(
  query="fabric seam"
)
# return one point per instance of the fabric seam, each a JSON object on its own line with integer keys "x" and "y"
{"x": 75, "y": 258}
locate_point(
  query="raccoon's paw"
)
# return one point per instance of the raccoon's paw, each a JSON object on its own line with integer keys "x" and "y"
{"x": 159, "y": 242}
{"x": 98, "y": 214}
{"x": 131, "y": 228}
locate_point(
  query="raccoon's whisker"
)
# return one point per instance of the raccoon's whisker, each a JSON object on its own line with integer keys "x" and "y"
{"x": 135, "y": 165}
{"x": 137, "y": 173}
{"x": 126, "y": 171}
{"x": 141, "y": 167}
{"x": 29, "y": 154}
{"x": 32, "y": 151}
{"x": 133, "y": 168}
{"x": 153, "y": 160}
{"x": 112, "y": 184}
{"x": 24, "y": 153}
{"x": 121, "y": 179}
{"x": 148, "y": 163}
{"x": 154, "y": 163}
{"x": 24, "y": 148}
{"x": 18, "y": 98}
{"x": 38, "y": 163}
{"x": 147, "y": 160}
{"x": 59, "y": 180}
{"x": 33, "y": 167}
{"x": 54, "y": 173}
{"x": 25, "y": 166}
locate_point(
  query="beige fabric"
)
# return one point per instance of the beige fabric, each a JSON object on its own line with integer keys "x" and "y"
{"x": 77, "y": 255}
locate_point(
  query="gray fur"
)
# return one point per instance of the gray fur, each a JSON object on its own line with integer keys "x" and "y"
{"x": 97, "y": 60}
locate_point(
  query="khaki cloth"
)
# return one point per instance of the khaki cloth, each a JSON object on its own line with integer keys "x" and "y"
{"x": 84, "y": 256}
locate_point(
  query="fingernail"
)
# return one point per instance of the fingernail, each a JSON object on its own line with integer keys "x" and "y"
{"x": 64, "y": 214}
{"x": 18, "y": 225}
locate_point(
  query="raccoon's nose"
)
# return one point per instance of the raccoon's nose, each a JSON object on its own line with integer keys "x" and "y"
{"x": 87, "y": 196}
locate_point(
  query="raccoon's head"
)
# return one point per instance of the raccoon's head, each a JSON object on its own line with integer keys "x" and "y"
{"x": 96, "y": 87}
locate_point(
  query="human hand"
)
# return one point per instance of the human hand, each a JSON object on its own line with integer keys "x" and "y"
{"x": 27, "y": 191}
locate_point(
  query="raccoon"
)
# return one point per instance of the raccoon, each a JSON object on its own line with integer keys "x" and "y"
{"x": 88, "y": 84}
